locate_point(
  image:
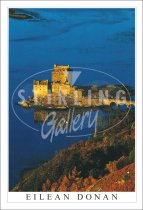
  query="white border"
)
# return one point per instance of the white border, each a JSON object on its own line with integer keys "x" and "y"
{"x": 4, "y": 103}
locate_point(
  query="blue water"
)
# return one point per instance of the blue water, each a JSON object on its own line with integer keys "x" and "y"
{"x": 101, "y": 39}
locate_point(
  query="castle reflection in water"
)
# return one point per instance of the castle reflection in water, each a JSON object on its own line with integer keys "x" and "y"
{"x": 40, "y": 115}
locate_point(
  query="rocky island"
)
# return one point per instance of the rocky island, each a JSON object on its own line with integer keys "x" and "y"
{"x": 61, "y": 94}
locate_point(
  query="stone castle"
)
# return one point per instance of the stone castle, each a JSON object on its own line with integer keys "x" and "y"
{"x": 59, "y": 84}
{"x": 49, "y": 94}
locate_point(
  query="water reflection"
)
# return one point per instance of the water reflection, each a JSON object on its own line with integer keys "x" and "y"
{"x": 79, "y": 118}
{"x": 40, "y": 115}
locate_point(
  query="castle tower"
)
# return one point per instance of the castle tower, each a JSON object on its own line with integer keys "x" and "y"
{"x": 60, "y": 79}
{"x": 60, "y": 74}
{"x": 40, "y": 89}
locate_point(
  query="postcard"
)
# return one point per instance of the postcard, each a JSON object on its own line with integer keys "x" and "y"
{"x": 71, "y": 132}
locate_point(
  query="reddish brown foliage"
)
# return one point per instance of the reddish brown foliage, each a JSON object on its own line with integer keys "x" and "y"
{"x": 111, "y": 166}
{"x": 120, "y": 181}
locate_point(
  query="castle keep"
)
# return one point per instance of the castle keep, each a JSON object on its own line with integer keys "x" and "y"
{"x": 60, "y": 80}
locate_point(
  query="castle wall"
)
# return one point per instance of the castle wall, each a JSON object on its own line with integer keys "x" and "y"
{"x": 40, "y": 88}
{"x": 63, "y": 88}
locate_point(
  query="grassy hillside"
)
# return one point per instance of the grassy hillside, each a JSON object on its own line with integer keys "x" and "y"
{"x": 89, "y": 166}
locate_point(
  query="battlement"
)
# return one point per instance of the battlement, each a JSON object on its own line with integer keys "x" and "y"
{"x": 56, "y": 67}
{"x": 40, "y": 82}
